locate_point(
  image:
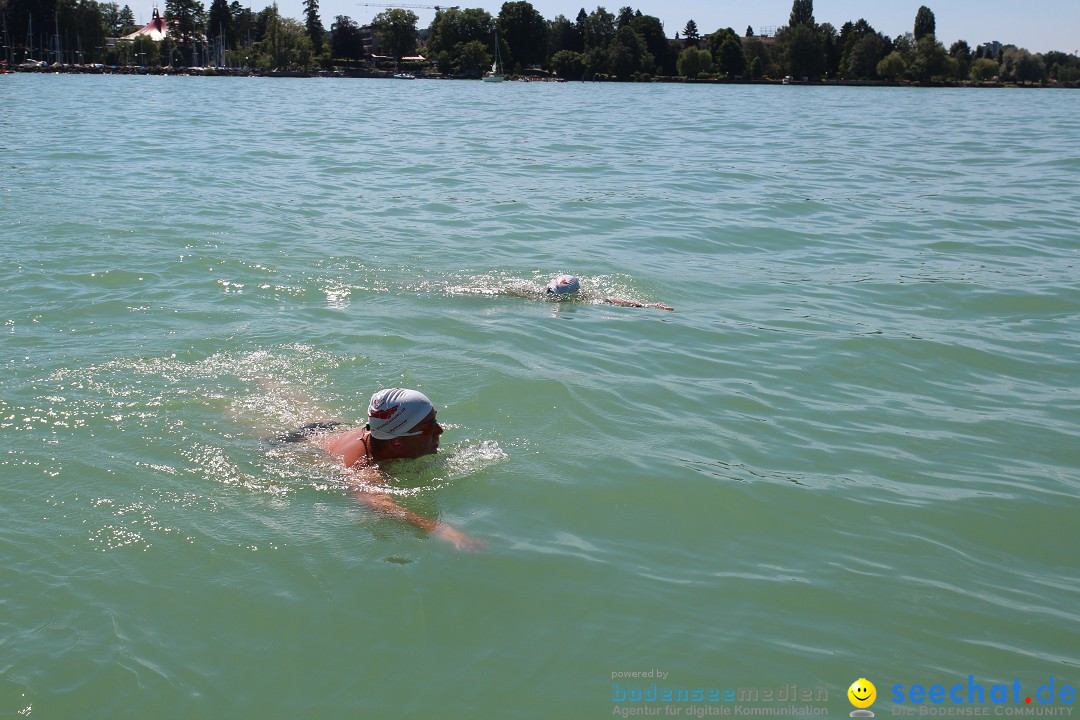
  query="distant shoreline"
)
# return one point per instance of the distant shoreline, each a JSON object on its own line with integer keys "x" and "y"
{"x": 219, "y": 72}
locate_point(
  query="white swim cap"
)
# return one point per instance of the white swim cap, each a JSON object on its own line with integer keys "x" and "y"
{"x": 564, "y": 285}
{"x": 394, "y": 411}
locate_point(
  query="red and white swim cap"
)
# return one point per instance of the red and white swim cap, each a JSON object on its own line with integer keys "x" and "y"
{"x": 394, "y": 411}
{"x": 564, "y": 285}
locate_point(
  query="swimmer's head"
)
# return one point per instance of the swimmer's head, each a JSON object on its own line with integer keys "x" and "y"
{"x": 563, "y": 285}
{"x": 394, "y": 412}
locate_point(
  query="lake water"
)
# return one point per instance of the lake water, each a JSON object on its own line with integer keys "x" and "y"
{"x": 853, "y": 450}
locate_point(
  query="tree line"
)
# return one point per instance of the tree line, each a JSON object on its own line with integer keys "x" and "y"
{"x": 627, "y": 45}
{"x": 82, "y": 32}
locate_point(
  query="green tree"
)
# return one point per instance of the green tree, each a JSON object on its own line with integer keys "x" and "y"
{"x": 951, "y": 69}
{"x": 564, "y": 35}
{"x": 396, "y": 32}
{"x": 345, "y": 39}
{"x": 862, "y": 49}
{"x": 268, "y": 48}
{"x": 312, "y": 23}
{"x": 651, "y": 31}
{"x": 285, "y": 44}
{"x": 905, "y": 45}
{"x": 452, "y": 27}
{"x": 715, "y": 40}
{"x": 599, "y": 28}
{"x": 568, "y": 64}
{"x": 1064, "y": 72}
{"x": 145, "y": 52}
{"x": 1019, "y": 65}
{"x": 830, "y": 44}
{"x": 864, "y": 57}
{"x": 580, "y": 22}
{"x": 726, "y": 50}
{"x": 127, "y": 20}
{"x": 525, "y": 32}
{"x": 675, "y": 47}
{"x": 442, "y": 61}
{"x": 620, "y": 61}
{"x": 801, "y": 51}
{"x": 1062, "y": 67}
{"x": 220, "y": 22}
{"x": 626, "y": 14}
{"x": 110, "y": 13}
{"x": 732, "y": 60}
{"x": 243, "y": 23}
{"x": 471, "y": 58}
{"x": 82, "y": 29}
{"x": 802, "y": 13}
{"x": 892, "y": 66}
{"x": 758, "y": 57}
{"x": 983, "y": 69}
{"x": 694, "y": 61}
{"x": 961, "y": 52}
{"x": 627, "y": 54}
{"x": 186, "y": 19}
{"x": 924, "y": 23}
{"x": 596, "y": 62}
{"x": 929, "y": 60}
{"x": 690, "y": 34}
{"x": 264, "y": 19}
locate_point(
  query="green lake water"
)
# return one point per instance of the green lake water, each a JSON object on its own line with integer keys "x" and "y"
{"x": 853, "y": 450}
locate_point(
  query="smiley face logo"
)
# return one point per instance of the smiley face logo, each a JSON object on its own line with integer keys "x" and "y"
{"x": 862, "y": 693}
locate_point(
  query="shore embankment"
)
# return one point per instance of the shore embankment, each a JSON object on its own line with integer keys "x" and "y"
{"x": 419, "y": 75}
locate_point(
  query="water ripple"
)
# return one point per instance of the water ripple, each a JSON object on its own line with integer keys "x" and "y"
{"x": 855, "y": 432}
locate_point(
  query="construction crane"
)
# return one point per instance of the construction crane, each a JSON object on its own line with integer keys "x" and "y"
{"x": 407, "y": 6}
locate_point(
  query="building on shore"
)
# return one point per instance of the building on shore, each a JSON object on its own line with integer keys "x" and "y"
{"x": 156, "y": 29}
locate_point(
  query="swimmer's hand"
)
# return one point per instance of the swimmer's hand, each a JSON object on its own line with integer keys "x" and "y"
{"x": 460, "y": 540}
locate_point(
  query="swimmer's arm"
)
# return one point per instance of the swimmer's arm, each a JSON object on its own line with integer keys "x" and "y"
{"x": 384, "y": 503}
{"x": 634, "y": 303}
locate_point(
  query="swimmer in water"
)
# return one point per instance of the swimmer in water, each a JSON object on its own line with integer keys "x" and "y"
{"x": 401, "y": 424}
{"x": 568, "y": 285}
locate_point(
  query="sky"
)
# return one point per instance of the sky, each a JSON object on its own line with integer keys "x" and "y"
{"x": 1038, "y": 25}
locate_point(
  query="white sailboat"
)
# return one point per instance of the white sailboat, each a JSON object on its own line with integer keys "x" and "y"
{"x": 495, "y": 73}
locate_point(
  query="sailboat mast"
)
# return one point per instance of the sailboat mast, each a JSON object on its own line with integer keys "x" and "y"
{"x": 7, "y": 44}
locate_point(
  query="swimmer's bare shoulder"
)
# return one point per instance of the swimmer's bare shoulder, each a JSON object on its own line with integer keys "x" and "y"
{"x": 349, "y": 447}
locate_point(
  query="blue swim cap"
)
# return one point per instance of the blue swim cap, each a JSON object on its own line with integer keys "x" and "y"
{"x": 564, "y": 285}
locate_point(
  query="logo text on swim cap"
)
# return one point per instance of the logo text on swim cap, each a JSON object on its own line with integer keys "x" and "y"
{"x": 383, "y": 414}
